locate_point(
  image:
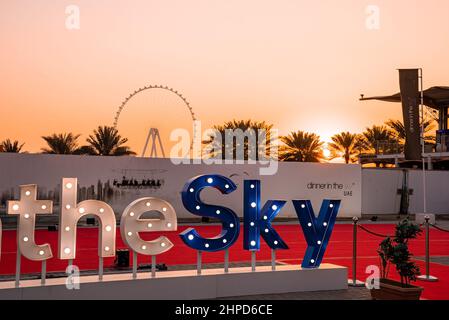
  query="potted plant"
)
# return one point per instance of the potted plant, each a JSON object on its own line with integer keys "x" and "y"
{"x": 395, "y": 252}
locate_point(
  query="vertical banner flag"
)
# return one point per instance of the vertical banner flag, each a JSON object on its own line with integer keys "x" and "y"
{"x": 408, "y": 81}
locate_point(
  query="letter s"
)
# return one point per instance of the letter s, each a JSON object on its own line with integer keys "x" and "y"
{"x": 229, "y": 220}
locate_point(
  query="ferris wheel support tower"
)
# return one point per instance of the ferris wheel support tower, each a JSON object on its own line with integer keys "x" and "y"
{"x": 155, "y": 137}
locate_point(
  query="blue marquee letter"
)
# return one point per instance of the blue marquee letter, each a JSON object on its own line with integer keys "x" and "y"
{"x": 317, "y": 231}
{"x": 229, "y": 220}
{"x": 257, "y": 222}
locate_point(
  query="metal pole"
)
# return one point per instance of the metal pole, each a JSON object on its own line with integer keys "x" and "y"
{"x": 427, "y": 276}
{"x": 253, "y": 261}
{"x": 354, "y": 282}
{"x": 198, "y": 263}
{"x": 134, "y": 264}
{"x": 354, "y": 251}
{"x": 226, "y": 261}
{"x": 18, "y": 261}
{"x": 153, "y": 266}
{"x": 43, "y": 272}
{"x": 427, "y": 248}
{"x": 273, "y": 260}
{"x": 100, "y": 269}
{"x": 422, "y": 143}
{"x": 146, "y": 143}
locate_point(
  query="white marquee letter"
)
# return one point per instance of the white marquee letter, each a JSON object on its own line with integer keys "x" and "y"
{"x": 26, "y": 209}
{"x": 130, "y": 225}
{"x": 71, "y": 212}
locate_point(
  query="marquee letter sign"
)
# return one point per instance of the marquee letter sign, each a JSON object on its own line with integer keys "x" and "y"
{"x": 26, "y": 208}
{"x": 257, "y": 221}
{"x": 317, "y": 231}
{"x": 71, "y": 212}
{"x": 229, "y": 220}
{"x": 131, "y": 225}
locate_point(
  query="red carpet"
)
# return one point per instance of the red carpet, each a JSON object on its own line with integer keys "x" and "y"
{"x": 339, "y": 251}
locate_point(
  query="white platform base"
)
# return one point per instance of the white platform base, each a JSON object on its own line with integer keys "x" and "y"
{"x": 427, "y": 278}
{"x": 356, "y": 283}
{"x": 212, "y": 283}
{"x": 420, "y": 218}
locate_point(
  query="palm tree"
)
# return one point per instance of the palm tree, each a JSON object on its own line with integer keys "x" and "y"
{"x": 379, "y": 139}
{"x": 106, "y": 141}
{"x": 376, "y": 136}
{"x": 301, "y": 146}
{"x": 11, "y": 146}
{"x": 62, "y": 143}
{"x": 346, "y": 145}
{"x": 398, "y": 129}
{"x": 217, "y": 148}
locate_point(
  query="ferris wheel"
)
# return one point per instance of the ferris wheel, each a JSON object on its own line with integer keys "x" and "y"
{"x": 154, "y": 132}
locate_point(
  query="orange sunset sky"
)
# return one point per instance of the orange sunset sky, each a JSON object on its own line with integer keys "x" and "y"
{"x": 300, "y": 65}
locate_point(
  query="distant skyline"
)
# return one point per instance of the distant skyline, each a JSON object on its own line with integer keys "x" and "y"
{"x": 300, "y": 65}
